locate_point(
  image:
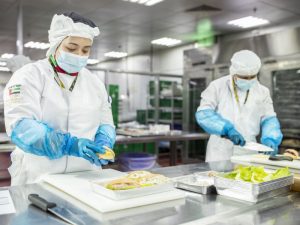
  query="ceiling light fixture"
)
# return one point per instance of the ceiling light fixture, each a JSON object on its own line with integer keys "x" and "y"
{"x": 7, "y": 55}
{"x": 2, "y": 63}
{"x": 92, "y": 61}
{"x": 37, "y": 45}
{"x": 115, "y": 54}
{"x": 166, "y": 41}
{"x": 145, "y": 2}
{"x": 249, "y": 21}
{"x": 4, "y": 69}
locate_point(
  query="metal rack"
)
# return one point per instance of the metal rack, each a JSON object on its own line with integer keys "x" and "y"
{"x": 155, "y": 105}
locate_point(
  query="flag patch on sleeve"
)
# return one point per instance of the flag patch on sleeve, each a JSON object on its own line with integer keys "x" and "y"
{"x": 14, "y": 90}
{"x": 14, "y": 95}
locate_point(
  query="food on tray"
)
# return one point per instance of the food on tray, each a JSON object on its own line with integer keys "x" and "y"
{"x": 138, "y": 174}
{"x": 291, "y": 153}
{"x": 122, "y": 184}
{"x": 108, "y": 155}
{"x": 153, "y": 179}
{"x": 212, "y": 173}
{"x": 137, "y": 179}
{"x": 256, "y": 174}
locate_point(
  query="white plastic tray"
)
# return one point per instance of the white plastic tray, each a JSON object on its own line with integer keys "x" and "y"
{"x": 99, "y": 188}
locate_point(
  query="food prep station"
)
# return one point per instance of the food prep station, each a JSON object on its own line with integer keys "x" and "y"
{"x": 154, "y": 91}
{"x": 195, "y": 208}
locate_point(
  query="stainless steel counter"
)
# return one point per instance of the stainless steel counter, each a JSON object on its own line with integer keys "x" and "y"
{"x": 197, "y": 209}
{"x": 172, "y": 138}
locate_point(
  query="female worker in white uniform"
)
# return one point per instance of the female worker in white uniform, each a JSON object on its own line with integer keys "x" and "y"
{"x": 235, "y": 108}
{"x": 56, "y": 111}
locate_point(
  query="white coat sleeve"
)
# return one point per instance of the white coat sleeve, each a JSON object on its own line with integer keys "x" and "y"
{"x": 209, "y": 99}
{"x": 268, "y": 106}
{"x": 22, "y": 96}
{"x": 106, "y": 113}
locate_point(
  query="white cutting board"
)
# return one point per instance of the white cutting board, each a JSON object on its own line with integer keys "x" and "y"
{"x": 263, "y": 160}
{"x": 78, "y": 186}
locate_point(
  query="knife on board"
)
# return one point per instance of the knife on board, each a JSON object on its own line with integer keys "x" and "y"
{"x": 62, "y": 213}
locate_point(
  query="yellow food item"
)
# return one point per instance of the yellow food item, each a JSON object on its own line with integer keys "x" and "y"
{"x": 137, "y": 179}
{"x": 108, "y": 155}
{"x": 122, "y": 184}
{"x": 291, "y": 153}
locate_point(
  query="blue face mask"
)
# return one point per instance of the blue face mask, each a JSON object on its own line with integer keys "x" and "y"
{"x": 245, "y": 85}
{"x": 71, "y": 63}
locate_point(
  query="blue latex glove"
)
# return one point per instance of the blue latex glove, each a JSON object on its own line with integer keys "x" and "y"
{"x": 235, "y": 137}
{"x": 271, "y": 134}
{"x": 212, "y": 122}
{"x": 86, "y": 149}
{"x": 40, "y": 139}
{"x": 105, "y": 136}
{"x": 271, "y": 144}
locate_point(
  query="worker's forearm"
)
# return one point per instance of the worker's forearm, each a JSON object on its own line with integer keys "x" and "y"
{"x": 271, "y": 130}
{"x": 40, "y": 139}
{"x": 212, "y": 122}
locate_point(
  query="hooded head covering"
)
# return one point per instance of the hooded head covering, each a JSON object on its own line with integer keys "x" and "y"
{"x": 245, "y": 63}
{"x": 69, "y": 24}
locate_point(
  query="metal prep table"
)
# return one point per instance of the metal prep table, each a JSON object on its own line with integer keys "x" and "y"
{"x": 197, "y": 209}
{"x": 172, "y": 138}
{"x": 7, "y": 147}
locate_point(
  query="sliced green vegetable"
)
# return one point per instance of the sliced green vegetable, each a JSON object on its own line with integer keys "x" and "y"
{"x": 256, "y": 174}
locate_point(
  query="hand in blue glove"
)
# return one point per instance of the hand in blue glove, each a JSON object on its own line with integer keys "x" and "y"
{"x": 39, "y": 138}
{"x": 86, "y": 149}
{"x": 105, "y": 136}
{"x": 270, "y": 143}
{"x": 235, "y": 137}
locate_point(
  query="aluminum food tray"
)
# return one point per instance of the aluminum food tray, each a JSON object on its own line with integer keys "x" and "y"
{"x": 190, "y": 183}
{"x": 250, "y": 191}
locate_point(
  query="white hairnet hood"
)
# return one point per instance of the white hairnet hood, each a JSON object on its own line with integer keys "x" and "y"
{"x": 63, "y": 26}
{"x": 245, "y": 63}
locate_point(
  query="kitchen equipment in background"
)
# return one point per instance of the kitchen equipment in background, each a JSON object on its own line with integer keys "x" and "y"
{"x": 201, "y": 182}
{"x": 113, "y": 91}
{"x": 285, "y": 82}
{"x": 159, "y": 128}
{"x": 136, "y": 161}
{"x": 165, "y": 103}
